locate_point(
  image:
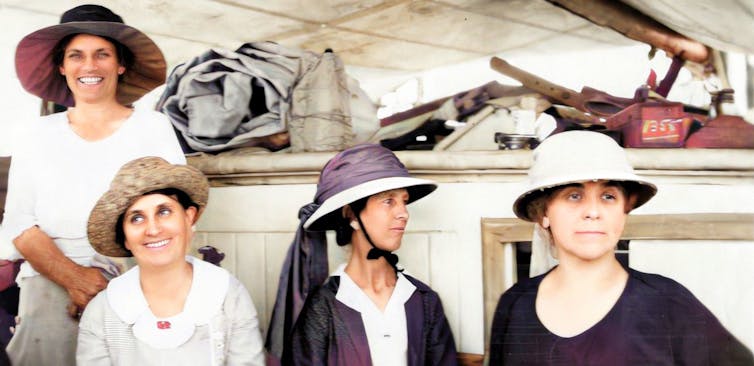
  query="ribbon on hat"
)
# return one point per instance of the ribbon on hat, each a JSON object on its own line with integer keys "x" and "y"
{"x": 375, "y": 253}
{"x": 357, "y": 165}
{"x": 304, "y": 270}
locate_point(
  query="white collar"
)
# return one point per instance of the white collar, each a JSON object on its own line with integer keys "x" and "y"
{"x": 205, "y": 299}
{"x": 350, "y": 294}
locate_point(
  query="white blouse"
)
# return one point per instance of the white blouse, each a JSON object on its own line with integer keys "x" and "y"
{"x": 218, "y": 324}
{"x": 386, "y": 331}
{"x": 56, "y": 177}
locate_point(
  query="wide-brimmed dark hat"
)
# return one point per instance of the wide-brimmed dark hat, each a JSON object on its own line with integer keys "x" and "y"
{"x": 356, "y": 173}
{"x": 39, "y": 75}
{"x": 132, "y": 181}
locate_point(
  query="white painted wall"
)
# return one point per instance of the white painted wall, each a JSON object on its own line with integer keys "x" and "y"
{"x": 254, "y": 225}
{"x": 718, "y": 273}
{"x": 18, "y": 106}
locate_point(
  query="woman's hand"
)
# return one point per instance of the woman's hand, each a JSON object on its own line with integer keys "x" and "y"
{"x": 81, "y": 283}
{"x": 84, "y": 286}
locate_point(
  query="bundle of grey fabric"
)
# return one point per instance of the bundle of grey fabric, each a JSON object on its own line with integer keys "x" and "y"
{"x": 226, "y": 99}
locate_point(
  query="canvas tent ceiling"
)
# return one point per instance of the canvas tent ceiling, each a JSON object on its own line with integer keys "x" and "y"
{"x": 400, "y": 35}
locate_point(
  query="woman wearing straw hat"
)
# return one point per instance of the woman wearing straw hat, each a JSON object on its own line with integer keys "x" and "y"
{"x": 97, "y": 66}
{"x": 368, "y": 311}
{"x": 590, "y": 310}
{"x": 171, "y": 308}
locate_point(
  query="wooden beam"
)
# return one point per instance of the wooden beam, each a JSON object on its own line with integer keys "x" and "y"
{"x": 638, "y": 26}
{"x": 470, "y": 359}
{"x": 699, "y": 226}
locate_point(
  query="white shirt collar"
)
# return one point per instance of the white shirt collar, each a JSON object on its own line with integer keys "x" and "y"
{"x": 205, "y": 299}
{"x": 386, "y": 330}
{"x": 350, "y": 294}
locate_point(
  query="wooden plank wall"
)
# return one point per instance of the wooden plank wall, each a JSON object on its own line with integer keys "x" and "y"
{"x": 252, "y": 256}
{"x": 257, "y": 257}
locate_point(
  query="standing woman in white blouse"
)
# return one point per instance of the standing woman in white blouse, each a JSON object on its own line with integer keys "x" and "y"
{"x": 171, "y": 309}
{"x": 96, "y": 66}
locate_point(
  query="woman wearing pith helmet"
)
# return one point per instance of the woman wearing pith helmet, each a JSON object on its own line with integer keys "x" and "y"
{"x": 170, "y": 309}
{"x": 589, "y": 309}
{"x": 368, "y": 312}
{"x": 96, "y": 66}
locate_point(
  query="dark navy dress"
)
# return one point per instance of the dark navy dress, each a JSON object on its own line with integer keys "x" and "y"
{"x": 330, "y": 333}
{"x": 656, "y": 321}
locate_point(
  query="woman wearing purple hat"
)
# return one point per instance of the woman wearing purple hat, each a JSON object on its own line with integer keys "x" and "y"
{"x": 96, "y": 66}
{"x": 368, "y": 312}
{"x": 589, "y": 309}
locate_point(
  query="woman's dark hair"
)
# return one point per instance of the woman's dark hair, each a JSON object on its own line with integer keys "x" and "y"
{"x": 344, "y": 230}
{"x": 183, "y": 199}
{"x": 123, "y": 53}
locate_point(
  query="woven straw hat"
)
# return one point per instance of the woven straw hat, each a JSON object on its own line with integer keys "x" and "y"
{"x": 132, "y": 181}
{"x": 578, "y": 156}
{"x": 40, "y": 76}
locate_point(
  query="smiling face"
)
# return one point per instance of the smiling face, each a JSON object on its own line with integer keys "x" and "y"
{"x": 91, "y": 68}
{"x": 385, "y": 216}
{"x": 587, "y": 219}
{"x": 157, "y": 230}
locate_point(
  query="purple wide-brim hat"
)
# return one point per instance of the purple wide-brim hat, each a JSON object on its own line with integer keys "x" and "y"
{"x": 40, "y": 76}
{"x": 358, "y": 172}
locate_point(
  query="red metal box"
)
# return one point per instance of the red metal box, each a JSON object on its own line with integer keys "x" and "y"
{"x": 652, "y": 124}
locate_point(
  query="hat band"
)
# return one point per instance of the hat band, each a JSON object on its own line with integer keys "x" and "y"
{"x": 375, "y": 253}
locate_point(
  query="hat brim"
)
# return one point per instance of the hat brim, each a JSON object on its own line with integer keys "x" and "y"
{"x": 328, "y": 214}
{"x": 645, "y": 189}
{"x": 127, "y": 187}
{"x": 39, "y": 75}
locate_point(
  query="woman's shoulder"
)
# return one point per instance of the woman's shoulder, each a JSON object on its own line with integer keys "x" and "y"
{"x": 522, "y": 293}
{"x": 322, "y": 299}
{"x": 95, "y": 310}
{"x": 236, "y": 288}
{"x": 150, "y": 119}
{"x": 320, "y": 303}
{"x": 328, "y": 290}
{"x": 99, "y": 302}
{"x": 211, "y": 279}
{"x": 420, "y": 286}
{"x": 658, "y": 284}
{"x": 424, "y": 290}
{"x": 43, "y": 127}
{"x": 59, "y": 117}
{"x": 237, "y": 302}
{"x": 660, "y": 292}
{"x": 527, "y": 285}
{"x": 149, "y": 115}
